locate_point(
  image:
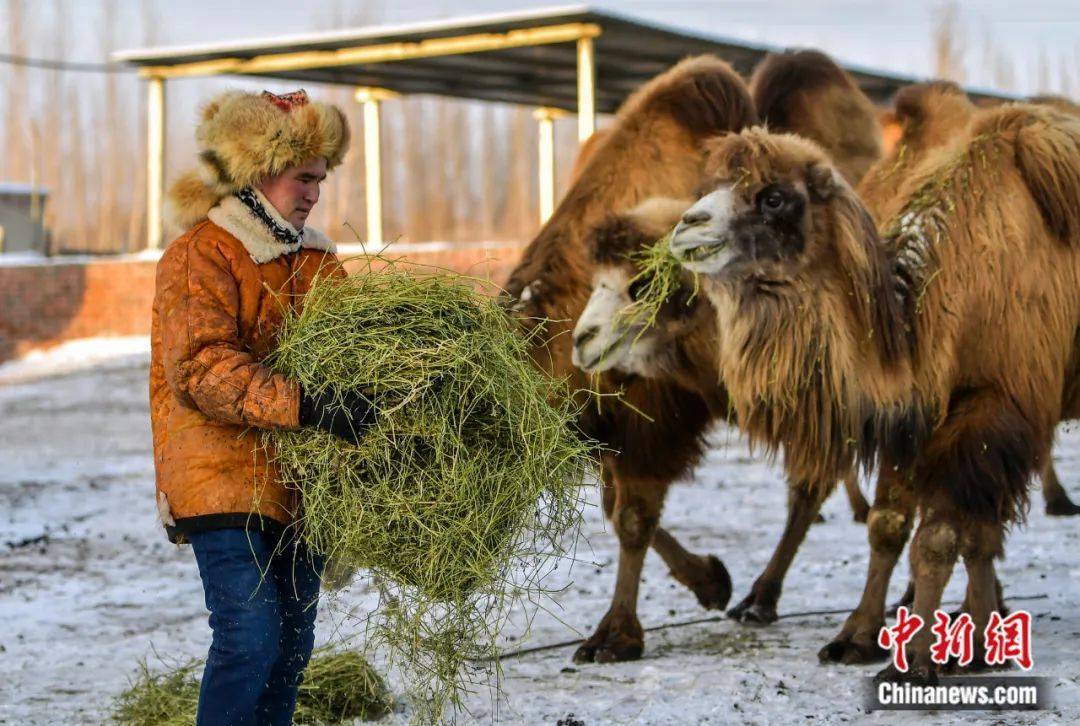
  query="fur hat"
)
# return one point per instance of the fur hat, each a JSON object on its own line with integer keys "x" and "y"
{"x": 246, "y": 137}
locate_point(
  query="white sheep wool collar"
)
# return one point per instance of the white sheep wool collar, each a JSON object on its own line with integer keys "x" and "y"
{"x": 234, "y": 217}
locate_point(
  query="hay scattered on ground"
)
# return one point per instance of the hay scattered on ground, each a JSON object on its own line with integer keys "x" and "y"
{"x": 339, "y": 686}
{"x": 458, "y": 495}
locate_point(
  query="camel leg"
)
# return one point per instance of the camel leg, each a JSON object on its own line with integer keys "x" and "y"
{"x": 971, "y": 595}
{"x": 705, "y": 575}
{"x": 934, "y": 550}
{"x": 908, "y": 598}
{"x": 888, "y": 528}
{"x": 905, "y": 600}
{"x": 860, "y": 508}
{"x": 987, "y": 445}
{"x": 981, "y": 543}
{"x": 804, "y": 502}
{"x": 1057, "y": 499}
{"x": 635, "y": 514}
{"x": 607, "y": 490}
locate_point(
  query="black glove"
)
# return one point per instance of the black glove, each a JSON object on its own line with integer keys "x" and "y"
{"x": 342, "y": 413}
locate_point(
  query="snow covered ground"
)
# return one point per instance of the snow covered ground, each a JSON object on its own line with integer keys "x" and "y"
{"x": 89, "y": 585}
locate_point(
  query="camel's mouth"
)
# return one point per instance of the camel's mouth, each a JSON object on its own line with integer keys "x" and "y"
{"x": 702, "y": 239}
{"x": 702, "y": 256}
{"x": 702, "y": 253}
{"x": 604, "y": 359}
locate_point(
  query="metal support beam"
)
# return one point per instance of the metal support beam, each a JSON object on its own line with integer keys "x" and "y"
{"x": 545, "y": 118}
{"x": 586, "y": 88}
{"x": 155, "y": 160}
{"x": 381, "y": 53}
{"x": 370, "y": 98}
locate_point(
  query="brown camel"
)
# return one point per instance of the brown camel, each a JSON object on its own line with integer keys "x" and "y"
{"x": 680, "y": 347}
{"x": 804, "y": 92}
{"x": 929, "y": 116}
{"x": 840, "y": 346}
{"x": 655, "y": 145}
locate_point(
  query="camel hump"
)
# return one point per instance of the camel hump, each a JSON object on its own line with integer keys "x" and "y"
{"x": 920, "y": 101}
{"x": 702, "y": 93}
{"x": 781, "y": 78}
{"x": 806, "y": 93}
{"x": 1047, "y": 143}
{"x": 931, "y": 114}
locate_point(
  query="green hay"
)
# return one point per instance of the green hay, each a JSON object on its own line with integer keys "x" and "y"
{"x": 338, "y": 687}
{"x": 659, "y": 277}
{"x": 460, "y": 492}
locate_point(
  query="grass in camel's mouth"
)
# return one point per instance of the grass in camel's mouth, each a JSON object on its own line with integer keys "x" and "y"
{"x": 704, "y": 252}
{"x": 603, "y": 354}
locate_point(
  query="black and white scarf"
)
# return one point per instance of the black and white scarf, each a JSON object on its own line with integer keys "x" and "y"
{"x": 285, "y": 235}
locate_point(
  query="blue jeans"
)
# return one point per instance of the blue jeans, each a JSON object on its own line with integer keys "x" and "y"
{"x": 262, "y": 614}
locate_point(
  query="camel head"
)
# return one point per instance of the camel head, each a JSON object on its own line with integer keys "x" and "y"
{"x": 811, "y": 341}
{"x": 783, "y": 235}
{"x": 613, "y": 332}
{"x": 771, "y": 193}
{"x": 779, "y": 215}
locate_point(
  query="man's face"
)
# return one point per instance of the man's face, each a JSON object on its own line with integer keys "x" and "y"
{"x": 295, "y": 191}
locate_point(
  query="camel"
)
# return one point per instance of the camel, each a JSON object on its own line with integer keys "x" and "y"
{"x": 679, "y": 347}
{"x": 803, "y": 91}
{"x": 843, "y": 347}
{"x": 929, "y": 116}
{"x": 655, "y": 145}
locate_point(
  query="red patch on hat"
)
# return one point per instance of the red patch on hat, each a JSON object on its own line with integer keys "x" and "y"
{"x": 287, "y": 101}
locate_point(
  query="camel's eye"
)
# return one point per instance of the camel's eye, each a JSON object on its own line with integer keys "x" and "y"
{"x": 636, "y": 288}
{"x": 771, "y": 200}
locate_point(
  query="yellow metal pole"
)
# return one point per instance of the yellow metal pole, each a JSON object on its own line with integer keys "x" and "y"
{"x": 546, "y": 141}
{"x": 371, "y": 98}
{"x": 155, "y": 160}
{"x": 586, "y": 88}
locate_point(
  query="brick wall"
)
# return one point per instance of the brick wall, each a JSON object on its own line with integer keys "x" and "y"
{"x": 48, "y": 303}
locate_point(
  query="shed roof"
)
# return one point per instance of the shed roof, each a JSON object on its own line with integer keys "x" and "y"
{"x": 629, "y": 51}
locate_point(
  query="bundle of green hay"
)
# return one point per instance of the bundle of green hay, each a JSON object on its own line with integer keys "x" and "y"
{"x": 338, "y": 687}
{"x": 460, "y": 491}
{"x": 659, "y": 276}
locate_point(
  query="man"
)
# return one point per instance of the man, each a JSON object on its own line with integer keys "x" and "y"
{"x": 222, "y": 290}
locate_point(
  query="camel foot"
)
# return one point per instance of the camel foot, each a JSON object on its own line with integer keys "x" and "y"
{"x": 1062, "y": 507}
{"x": 852, "y": 651}
{"x": 616, "y": 639}
{"x": 714, "y": 592}
{"x": 751, "y": 611}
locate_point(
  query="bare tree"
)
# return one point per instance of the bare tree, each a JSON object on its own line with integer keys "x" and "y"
{"x": 17, "y": 96}
{"x": 948, "y": 43}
